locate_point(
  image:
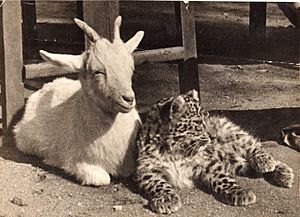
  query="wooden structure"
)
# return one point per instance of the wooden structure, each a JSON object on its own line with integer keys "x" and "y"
{"x": 15, "y": 75}
{"x": 186, "y": 53}
{"x": 11, "y": 60}
{"x": 12, "y": 89}
{"x": 257, "y": 19}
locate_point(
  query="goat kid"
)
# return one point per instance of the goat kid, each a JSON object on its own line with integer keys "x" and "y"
{"x": 86, "y": 127}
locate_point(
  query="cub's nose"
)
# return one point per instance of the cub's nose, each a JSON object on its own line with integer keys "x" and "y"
{"x": 128, "y": 99}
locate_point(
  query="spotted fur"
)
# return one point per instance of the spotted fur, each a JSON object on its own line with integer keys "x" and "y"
{"x": 180, "y": 145}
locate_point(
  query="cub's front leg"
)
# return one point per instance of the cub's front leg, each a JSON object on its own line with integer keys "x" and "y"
{"x": 282, "y": 176}
{"x": 224, "y": 185}
{"x": 90, "y": 174}
{"x": 162, "y": 195}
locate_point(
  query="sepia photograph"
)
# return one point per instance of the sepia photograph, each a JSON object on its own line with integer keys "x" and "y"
{"x": 115, "y": 108}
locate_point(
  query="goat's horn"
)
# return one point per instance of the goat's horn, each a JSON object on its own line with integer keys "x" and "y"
{"x": 92, "y": 34}
{"x": 117, "y": 27}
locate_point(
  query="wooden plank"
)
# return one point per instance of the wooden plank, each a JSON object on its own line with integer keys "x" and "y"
{"x": 257, "y": 18}
{"x": 100, "y": 15}
{"x": 159, "y": 55}
{"x": 37, "y": 83}
{"x": 45, "y": 69}
{"x": 188, "y": 67}
{"x": 29, "y": 29}
{"x": 11, "y": 60}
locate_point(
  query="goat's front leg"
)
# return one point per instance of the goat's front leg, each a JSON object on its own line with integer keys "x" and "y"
{"x": 90, "y": 174}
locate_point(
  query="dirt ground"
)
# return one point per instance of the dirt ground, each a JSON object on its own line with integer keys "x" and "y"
{"x": 261, "y": 97}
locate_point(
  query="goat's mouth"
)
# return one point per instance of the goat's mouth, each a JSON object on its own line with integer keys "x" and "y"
{"x": 124, "y": 108}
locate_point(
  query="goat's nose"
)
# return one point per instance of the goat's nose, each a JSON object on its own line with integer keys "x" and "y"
{"x": 128, "y": 99}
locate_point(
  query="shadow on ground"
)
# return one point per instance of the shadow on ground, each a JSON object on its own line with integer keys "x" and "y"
{"x": 265, "y": 124}
{"x": 9, "y": 151}
{"x": 59, "y": 194}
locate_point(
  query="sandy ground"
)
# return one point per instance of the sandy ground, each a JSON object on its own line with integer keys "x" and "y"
{"x": 44, "y": 193}
{"x": 226, "y": 87}
{"x": 260, "y": 97}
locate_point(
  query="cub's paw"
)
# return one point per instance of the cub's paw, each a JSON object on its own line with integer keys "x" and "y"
{"x": 262, "y": 162}
{"x": 240, "y": 197}
{"x": 282, "y": 176}
{"x": 166, "y": 204}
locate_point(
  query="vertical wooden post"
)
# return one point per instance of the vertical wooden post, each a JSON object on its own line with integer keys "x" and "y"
{"x": 100, "y": 15}
{"x": 11, "y": 60}
{"x": 29, "y": 29}
{"x": 188, "y": 68}
{"x": 79, "y": 7}
{"x": 257, "y": 18}
{"x": 177, "y": 9}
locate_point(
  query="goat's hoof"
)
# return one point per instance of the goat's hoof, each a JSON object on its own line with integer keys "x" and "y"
{"x": 97, "y": 180}
{"x": 92, "y": 175}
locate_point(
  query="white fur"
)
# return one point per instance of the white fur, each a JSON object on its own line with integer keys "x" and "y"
{"x": 86, "y": 127}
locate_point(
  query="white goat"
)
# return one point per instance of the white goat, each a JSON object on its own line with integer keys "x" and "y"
{"x": 86, "y": 127}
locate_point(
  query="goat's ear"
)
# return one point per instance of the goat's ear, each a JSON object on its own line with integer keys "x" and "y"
{"x": 89, "y": 31}
{"x": 132, "y": 43}
{"x": 72, "y": 63}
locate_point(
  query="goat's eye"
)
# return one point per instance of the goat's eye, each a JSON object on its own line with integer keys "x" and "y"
{"x": 99, "y": 72}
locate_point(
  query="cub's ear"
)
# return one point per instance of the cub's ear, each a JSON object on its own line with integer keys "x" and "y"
{"x": 178, "y": 108}
{"x": 194, "y": 94}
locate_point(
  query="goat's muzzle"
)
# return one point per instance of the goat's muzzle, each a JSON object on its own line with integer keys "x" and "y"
{"x": 126, "y": 103}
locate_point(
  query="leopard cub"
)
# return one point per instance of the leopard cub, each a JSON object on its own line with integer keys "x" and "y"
{"x": 180, "y": 145}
